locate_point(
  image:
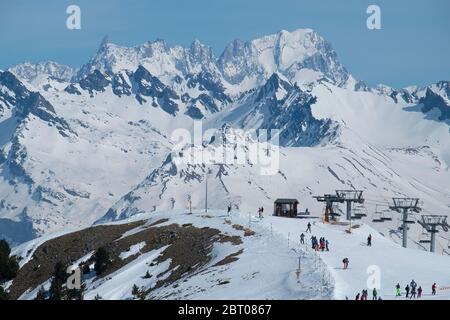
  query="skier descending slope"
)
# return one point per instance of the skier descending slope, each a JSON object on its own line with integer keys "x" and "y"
{"x": 419, "y": 292}
{"x": 369, "y": 240}
{"x": 345, "y": 261}
{"x": 308, "y": 228}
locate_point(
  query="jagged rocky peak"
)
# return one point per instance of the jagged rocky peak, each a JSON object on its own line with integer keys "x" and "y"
{"x": 23, "y": 102}
{"x": 201, "y": 52}
{"x": 289, "y": 53}
{"x": 17, "y": 96}
{"x": 157, "y": 92}
{"x": 96, "y": 81}
{"x": 435, "y": 101}
{"x": 30, "y": 72}
{"x": 12, "y": 88}
{"x": 275, "y": 87}
{"x": 285, "y": 52}
{"x": 280, "y": 105}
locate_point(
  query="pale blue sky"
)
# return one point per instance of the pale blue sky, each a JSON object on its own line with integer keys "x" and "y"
{"x": 413, "y": 46}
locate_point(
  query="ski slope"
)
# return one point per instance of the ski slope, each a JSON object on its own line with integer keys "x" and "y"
{"x": 396, "y": 264}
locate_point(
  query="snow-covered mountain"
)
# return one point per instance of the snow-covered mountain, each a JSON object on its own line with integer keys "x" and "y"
{"x": 36, "y": 72}
{"x": 302, "y": 55}
{"x": 95, "y": 144}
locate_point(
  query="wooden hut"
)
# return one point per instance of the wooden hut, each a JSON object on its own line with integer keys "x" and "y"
{"x": 285, "y": 208}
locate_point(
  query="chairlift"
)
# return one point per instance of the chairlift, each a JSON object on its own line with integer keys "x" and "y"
{"x": 361, "y": 210}
{"x": 386, "y": 216}
{"x": 423, "y": 237}
{"x": 377, "y": 215}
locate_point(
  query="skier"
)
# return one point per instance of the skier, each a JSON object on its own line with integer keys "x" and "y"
{"x": 397, "y": 290}
{"x": 407, "y": 290}
{"x": 302, "y": 239}
{"x": 374, "y": 294}
{"x": 433, "y": 289}
{"x": 326, "y": 245}
{"x": 229, "y": 209}
{"x": 364, "y": 294}
{"x": 413, "y": 292}
{"x": 308, "y": 227}
{"x": 413, "y": 284}
{"x": 357, "y": 296}
{"x": 345, "y": 262}
{"x": 369, "y": 240}
{"x": 419, "y": 292}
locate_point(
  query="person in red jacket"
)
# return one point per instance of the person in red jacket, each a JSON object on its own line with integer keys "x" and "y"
{"x": 433, "y": 289}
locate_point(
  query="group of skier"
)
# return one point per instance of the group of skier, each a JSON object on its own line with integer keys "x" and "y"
{"x": 365, "y": 294}
{"x": 412, "y": 291}
{"x": 319, "y": 245}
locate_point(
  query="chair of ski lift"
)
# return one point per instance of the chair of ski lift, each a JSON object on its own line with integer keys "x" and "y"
{"x": 423, "y": 238}
{"x": 400, "y": 225}
{"x": 356, "y": 217}
{"x": 377, "y": 215}
{"x": 360, "y": 211}
{"x": 386, "y": 215}
{"x": 357, "y": 214}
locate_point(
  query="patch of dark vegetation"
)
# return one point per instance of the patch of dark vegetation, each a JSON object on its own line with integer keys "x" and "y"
{"x": 65, "y": 249}
{"x": 8, "y": 264}
{"x": 188, "y": 250}
{"x": 229, "y": 259}
{"x": 247, "y": 232}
